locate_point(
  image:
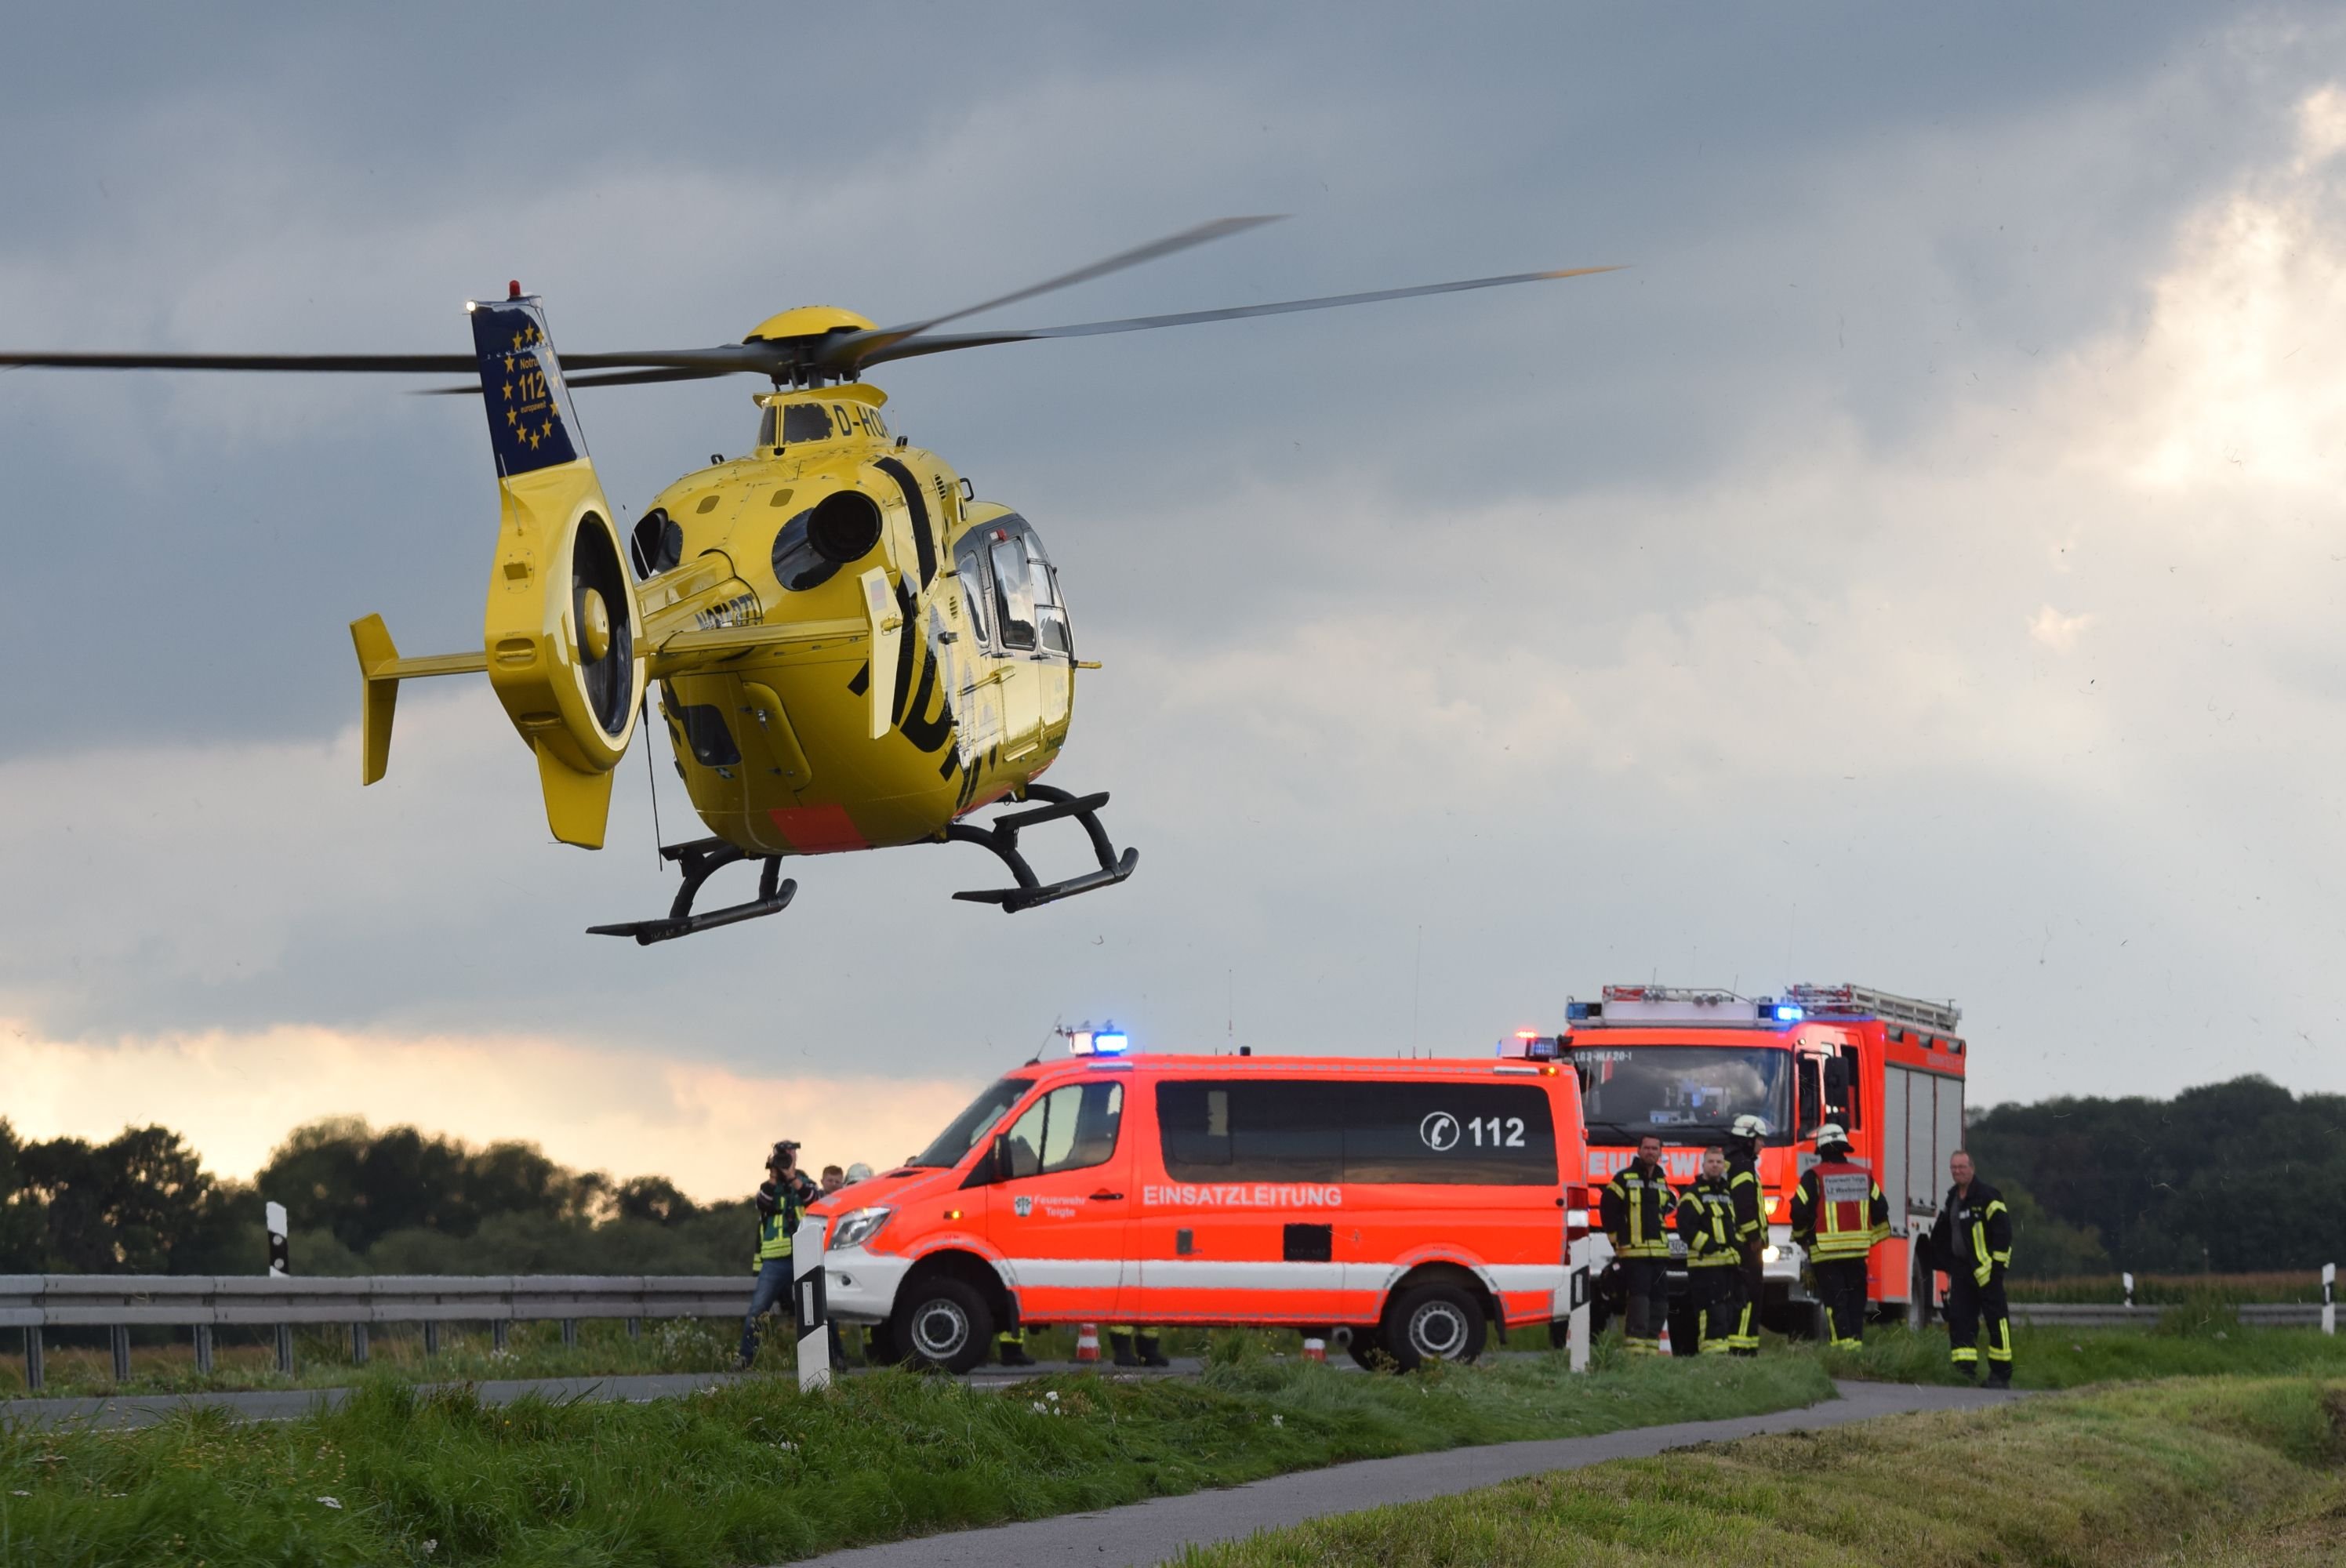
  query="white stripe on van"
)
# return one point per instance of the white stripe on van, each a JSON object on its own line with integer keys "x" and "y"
{"x": 1220, "y": 1274}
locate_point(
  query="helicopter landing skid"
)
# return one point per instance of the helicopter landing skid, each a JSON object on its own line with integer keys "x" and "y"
{"x": 1002, "y": 838}
{"x": 702, "y": 859}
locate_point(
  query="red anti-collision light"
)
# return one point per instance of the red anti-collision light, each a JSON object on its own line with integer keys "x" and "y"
{"x": 513, "y": 289}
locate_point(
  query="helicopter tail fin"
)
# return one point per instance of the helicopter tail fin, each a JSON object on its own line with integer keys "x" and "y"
{"x": 562, "y": 632}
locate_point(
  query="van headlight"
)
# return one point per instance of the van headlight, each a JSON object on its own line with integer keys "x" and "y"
{"x": 858, "y": 1226}
{"x": 1769, "y": 1255}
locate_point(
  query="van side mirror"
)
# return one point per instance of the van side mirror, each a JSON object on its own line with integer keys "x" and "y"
{"x": 999, "y": 1160}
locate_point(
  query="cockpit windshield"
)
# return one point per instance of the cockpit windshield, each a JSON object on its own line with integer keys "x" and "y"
{"x": 1681, "y": 1093}
{"x": 972, "y": 1124}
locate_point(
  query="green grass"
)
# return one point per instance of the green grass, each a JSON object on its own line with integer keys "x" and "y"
{"x": 2207, "y": 1345}
{"x": 755, "y": 1472}
{"x": 2194, "y": 1471}
{"x": 467, "y": 1353}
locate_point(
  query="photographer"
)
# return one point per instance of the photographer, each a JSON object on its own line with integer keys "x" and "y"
{"x": 781, "y": 1202}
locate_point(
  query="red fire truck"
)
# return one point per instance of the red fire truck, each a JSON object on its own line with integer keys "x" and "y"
{"x": 1684, "y": 1063}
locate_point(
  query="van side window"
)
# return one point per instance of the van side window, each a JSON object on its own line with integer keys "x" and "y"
{"x": 1067, "y": 1129}
{"x": 1433, "y": 1132}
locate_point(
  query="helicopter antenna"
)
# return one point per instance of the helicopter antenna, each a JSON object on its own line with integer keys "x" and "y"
{"x": 651, "y": 774}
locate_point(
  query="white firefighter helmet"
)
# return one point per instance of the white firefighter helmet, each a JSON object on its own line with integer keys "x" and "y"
{"x": 1748, "y": 1126}
{"x": 1831, "y": 1134}
{"x": 858, "y": 1172}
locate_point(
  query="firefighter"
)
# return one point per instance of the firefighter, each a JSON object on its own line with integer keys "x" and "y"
{"x": 1634, "y": 1210}
{"x": 1706, "y": 1223}
{"x": 1010, "y": 1347}
{"x": 1134, "y": 1347}
{"x": 1837, "y": 1214}
{"x": 1971, "y": 1240}
{"x": 780, "y": 1201}
{"x": 1750, "y": 1229}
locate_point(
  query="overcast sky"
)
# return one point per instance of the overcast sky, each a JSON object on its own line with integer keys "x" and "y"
{"x": 1921, "y": 568}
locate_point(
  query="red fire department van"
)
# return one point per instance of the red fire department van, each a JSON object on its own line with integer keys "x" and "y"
{"x": 1406, "y": 1205}
{"x": 1684, "y": 1063}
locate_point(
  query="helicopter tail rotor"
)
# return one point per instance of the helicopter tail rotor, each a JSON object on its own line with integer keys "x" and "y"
{"x": 562, "y": 632}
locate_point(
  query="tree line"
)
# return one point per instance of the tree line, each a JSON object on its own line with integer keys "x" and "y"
{"x": 358, "y": 1200}
{"x": 2232, "y": 1178}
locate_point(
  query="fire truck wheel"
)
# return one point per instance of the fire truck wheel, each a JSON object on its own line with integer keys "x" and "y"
{"x": 944, "y": 1323}
{"x": 1435, "y": 1321}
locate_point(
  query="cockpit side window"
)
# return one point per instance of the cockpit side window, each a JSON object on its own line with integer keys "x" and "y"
{"x": 973, "y": 592}
{"x": 805, "y": 422}
{"x": 1014, "y": 592}
{"x": 1050, "y": 615}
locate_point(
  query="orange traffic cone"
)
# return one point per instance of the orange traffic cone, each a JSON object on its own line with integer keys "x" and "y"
{"x": 1664, "y": 1346}
{"x": 1315, "y": 1348}
{"x": 1086, "y": 1341}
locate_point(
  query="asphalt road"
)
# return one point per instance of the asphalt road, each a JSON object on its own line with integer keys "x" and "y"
{"x": 1150, "y": 1532}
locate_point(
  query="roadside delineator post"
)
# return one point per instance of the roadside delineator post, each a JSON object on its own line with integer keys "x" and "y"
{"x": 813, "y": 1311}
{"x": 2128, "y": 1280}
{"x": 2330, "y": 1299}
{"x": 280, "y": 1266}
{"x": 1086, "y": 1341}
{"x": 1576, "y": 1287}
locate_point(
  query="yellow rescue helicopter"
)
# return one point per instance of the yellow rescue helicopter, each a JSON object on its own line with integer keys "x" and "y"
{"x": 853, "y": 652}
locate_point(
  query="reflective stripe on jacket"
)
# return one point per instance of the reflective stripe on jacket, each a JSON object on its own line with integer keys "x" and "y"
{"x": 1974, "y": 1232}
{"x": 1839, "y": 1211}
{"x": 1751, "y": 1211}
{"x": 776, "y": 1229}
{"x": 1706, "y": 1221}
{"x": 1634, "y": 1208}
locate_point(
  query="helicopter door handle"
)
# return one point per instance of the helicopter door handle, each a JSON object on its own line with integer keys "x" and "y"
{"x": 1108, "y": 1197}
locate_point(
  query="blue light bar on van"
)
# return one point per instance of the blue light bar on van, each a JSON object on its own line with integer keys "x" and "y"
{"x": 1788, "y": 1013}
{"x": 1105, "y": 1041}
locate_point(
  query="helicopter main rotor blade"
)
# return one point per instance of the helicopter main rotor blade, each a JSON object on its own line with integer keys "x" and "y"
{"x": 393, "y": 364}
{"x": 610, "y": 379}
{"x": 946, "y": 342}
{"x": 858, "y": 347}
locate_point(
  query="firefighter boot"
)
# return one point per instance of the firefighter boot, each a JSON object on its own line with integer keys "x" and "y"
{"x": 1119, "y": 1347}
{"x": 1999, "y": 1375}
{"x": 1150, "y": 1356}
{"x": 1012, "y": 1350}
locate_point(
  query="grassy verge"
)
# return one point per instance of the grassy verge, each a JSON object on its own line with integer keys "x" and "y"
{"x": 2197, "y": 1470}
{"x": 2045, "y": 1358}
{"x": 754, "y": 1472}
{"x": 323, "y": 1358}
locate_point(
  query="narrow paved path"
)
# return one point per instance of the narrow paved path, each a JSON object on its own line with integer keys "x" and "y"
{"x": 1150, "y": 1532}
{"x": 283, "y": 1404}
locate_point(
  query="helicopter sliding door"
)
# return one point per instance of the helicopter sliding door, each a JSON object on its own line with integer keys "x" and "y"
{"x": 1056, "y": 650}
{"x": 1015, "y": 640}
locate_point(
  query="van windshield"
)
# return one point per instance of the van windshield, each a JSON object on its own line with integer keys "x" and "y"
{"x": 1681, "y": 1093}
{"x": 972, "y": 1124}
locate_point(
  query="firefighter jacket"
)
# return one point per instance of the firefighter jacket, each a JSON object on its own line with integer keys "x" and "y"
{"x": 778, "y": 1212}
{"x": 1839, "y": 1211}
{"x": 1972, "y": 1233}
{"x": 1706, "y": 1221}
{"x": 1634, "y": 1211}
{"x": 1751, "y": 1211}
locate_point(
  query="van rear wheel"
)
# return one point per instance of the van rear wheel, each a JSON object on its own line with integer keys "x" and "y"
{"x": 944, "y": 1323}
{"x": 1435, "y": 1321}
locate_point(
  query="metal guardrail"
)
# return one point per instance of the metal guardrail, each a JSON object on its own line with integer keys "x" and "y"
{"x": 2118, "y": 1315}
{"x": 33, "y": 1302}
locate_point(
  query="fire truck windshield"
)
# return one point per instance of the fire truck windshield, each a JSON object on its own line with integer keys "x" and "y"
{"x": 1681, "y": 1093}
{"x": 974, "y": 1123}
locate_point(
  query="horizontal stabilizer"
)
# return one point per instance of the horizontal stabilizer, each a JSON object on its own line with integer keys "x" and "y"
{"x": 382, "y": 669}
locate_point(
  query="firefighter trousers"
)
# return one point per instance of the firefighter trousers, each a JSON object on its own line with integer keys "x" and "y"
{"x": 1840, "y": 1286}
{"x": 1753, "y": 1276}
{"x": 1971, "y": 1307}
{"x": 1718, "y": 1294}
{"x": 1645, "y": 1302}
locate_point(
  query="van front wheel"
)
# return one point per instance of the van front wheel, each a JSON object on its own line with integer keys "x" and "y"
{"x": 944, "y": 1323}
{"x": 1434, "y": 1322}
